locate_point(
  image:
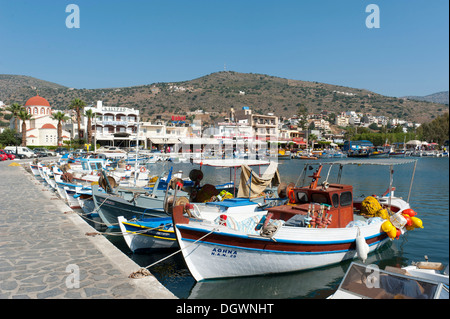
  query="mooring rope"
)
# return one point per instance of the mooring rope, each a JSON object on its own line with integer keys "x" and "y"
{"x": 144, "y": 271}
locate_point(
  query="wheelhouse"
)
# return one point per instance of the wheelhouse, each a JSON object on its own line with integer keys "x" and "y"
{"x": 332, "y": 199}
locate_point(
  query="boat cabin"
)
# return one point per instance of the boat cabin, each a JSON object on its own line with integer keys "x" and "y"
{"x": 332, "y": 202}
{"x": 92, "y": 164}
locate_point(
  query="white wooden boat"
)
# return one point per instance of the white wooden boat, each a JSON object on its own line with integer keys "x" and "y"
{"x": 317, "y": 228}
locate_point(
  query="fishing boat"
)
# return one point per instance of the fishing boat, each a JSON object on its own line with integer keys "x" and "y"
{"x": 148, "y": 233}
{"x": 284, "y": 154}
{"x": 34, "y": 168}
{"x": 321, "y": 225}
{"x": 379, "y": 152}
{"x": 332, "y": 153}
{"x": 361, "y": 152}
{"x": 157, "y": 233}
{"x": 422, "y": 280}
{"x": 159, "y": 201}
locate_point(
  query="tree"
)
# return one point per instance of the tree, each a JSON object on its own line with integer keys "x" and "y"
{"x": 302, "y": 114}
{"x": 436, "y": 130}
{"x": 24, "y": 116}
{"x": 8, "y": 137}
{"x": 90, "y": 115}
{"x": 77, "y": 105}
{"x": 60, "y": 117}
{"x": 15, "y": 109}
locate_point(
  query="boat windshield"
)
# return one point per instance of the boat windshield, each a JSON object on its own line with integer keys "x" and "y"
{"x": 371, "y": 282}
{"x": 91, "y": 166}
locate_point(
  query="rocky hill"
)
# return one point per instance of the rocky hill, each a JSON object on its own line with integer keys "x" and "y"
{"x": 217, "y": 92}
{"x": 440, "y": 97}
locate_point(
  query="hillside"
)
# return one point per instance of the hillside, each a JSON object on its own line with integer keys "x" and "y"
{"x": 11, "y": 85}
{"x": 217, "y": 92}
{"x": 440, "y": 97}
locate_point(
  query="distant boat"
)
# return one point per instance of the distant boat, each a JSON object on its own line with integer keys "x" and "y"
{"x": 362, "y": 152}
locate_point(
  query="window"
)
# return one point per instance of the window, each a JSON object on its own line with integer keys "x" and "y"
{"x": 346, "y": 198}
{"x": 335, "y": 200}
{"x": 319, "y": 198}
{"x": 301, "y": 197}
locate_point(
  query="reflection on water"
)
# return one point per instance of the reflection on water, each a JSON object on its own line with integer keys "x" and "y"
{"x": 429, "y": 198}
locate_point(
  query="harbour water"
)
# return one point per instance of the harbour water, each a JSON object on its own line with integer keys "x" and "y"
{"x": 429, "y": 198}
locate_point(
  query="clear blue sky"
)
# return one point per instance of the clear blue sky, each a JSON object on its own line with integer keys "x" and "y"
{"x": 125, "y": 43}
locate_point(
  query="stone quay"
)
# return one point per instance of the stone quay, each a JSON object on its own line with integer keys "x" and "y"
{"x": 46, "y": 254}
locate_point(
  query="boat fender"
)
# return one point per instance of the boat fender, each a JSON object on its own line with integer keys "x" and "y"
{"x": 409, "y": 212}
{"x": 267, "y": 220}
{"x": 223, "y": 220}
{"x": 417, "y": 222}
{"x": 387, "y": 226}
{"x": 408, "y": 220}
{"x": 261, "y": 223}
{"x": 362, "y": 249}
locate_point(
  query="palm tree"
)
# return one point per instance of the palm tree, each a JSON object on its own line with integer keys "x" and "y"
{"x": 77, "y": 105}
{"x": 90, "y": 115}
{"x": 15, "y": 109}
{"x": 60, "y": 117}
{"x": 24, "y": 116}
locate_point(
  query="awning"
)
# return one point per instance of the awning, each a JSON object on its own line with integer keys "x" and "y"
{"x": 414, "y": 142}
{"x": 235, "y": 162}
{"x": 199, "y": 141}
{"x": 164, "y": 141}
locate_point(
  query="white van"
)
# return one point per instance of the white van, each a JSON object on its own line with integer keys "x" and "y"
{"x": 21, "y": 150}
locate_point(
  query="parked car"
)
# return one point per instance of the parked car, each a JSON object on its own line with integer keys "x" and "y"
{"x": 39, "y": 152}
{"x": 19, "y": 156}
{"x": 61, "y": 150}
{"x": 3, "y": 157}
{"x": 45, "y": 151}
{"x": 21, "y": 150}
{"x": 8, "y": 155}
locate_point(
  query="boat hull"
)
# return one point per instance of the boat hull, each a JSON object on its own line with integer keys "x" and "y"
{"x": 110, "y": 207}
{"x": 224, "y": 253}
{"x": 143, "y": 235}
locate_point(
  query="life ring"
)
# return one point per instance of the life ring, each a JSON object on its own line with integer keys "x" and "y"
{"x": 143, "y": 169}
{"x": 128, "y": 167}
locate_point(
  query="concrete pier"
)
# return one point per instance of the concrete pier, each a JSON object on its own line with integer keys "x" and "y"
{"x": 45, "y": 253}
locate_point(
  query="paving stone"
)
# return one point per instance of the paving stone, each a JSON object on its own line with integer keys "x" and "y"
{"x": 38, "y": 242}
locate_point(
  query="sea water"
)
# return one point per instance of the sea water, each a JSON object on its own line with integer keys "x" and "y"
{"x": 429, "y": 198}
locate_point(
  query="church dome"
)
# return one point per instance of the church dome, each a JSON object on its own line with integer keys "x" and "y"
{"x": 37, "y": 101}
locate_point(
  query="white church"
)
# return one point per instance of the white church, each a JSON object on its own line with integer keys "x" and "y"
{"x": 42, "y": 128}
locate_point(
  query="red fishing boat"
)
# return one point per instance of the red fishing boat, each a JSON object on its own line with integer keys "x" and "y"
{"x": 320, "y": 225}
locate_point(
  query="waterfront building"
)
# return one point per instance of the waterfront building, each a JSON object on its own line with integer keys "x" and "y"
{"x": 41, "y": 128}
{"x": 159, "y": 136}
{"x": 114, "y": 126}
{"x": 264, "y": 127}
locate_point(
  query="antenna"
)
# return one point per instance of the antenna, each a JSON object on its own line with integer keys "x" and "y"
{"x": 225, "y": 67}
